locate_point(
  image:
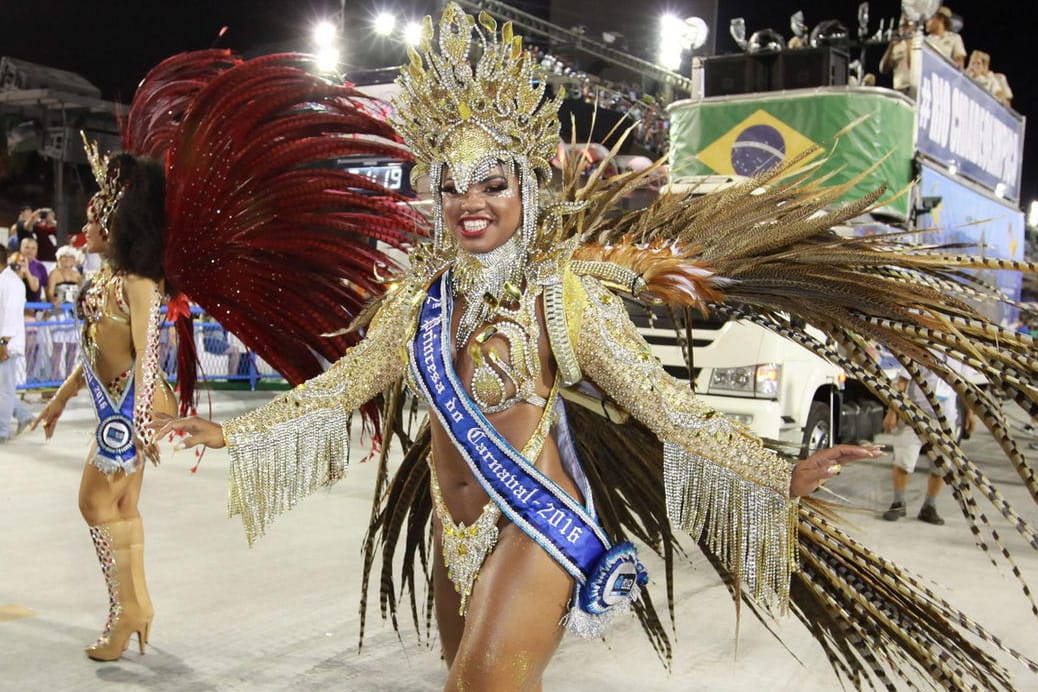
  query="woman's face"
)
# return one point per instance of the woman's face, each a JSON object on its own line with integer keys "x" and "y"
{"x": 67, "y": 261}
{"x": 487, "y": 214}
{"x": 96, "y": 238}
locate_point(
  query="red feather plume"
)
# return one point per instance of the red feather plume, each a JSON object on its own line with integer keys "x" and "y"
{"x": 165, "y": 93}
{"x": 261, "y": 231}
{"x": 158, "y": 106}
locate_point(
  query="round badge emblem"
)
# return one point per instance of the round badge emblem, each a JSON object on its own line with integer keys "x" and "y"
{"x": 620, "y": 582}
{"x": 613, "y": 580}
{"x": 115, "y": 435}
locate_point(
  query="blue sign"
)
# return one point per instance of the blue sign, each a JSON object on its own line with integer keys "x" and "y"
{"x": 992, "y": 227}
{"x": 960, "y": 124}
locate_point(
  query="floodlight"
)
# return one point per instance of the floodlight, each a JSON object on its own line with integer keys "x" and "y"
{"x": 384, "y": 23}
{"x": 325, "y": 34}
{"x": 327, "y": 59}
{"x": 413, "y": 33}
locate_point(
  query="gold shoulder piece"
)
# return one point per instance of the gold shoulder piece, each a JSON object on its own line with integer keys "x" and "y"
{"x": 562, "y": 323}
{"x": 612, "y": 275}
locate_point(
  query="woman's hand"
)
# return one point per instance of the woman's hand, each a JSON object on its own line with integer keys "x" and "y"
{"x": 49, "y": 416}
{"x": 812, "y": 472}
{"x": 198, "y": 431}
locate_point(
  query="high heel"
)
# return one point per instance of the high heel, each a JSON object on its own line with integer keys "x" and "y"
{"x": 120, "y": 549}
{"x": 111, "y": 646}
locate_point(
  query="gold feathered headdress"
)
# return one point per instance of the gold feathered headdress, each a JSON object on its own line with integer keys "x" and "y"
{"x": 109, "y": 193}
{"x": 468, "y": 115}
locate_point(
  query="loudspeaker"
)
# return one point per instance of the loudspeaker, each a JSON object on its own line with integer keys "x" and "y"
{"x": 740, "y": 73}
{"x": 813, "y": 67}
{"x": 746, "y": 73}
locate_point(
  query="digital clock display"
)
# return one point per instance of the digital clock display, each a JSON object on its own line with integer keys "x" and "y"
{"x": 389, "y": 176}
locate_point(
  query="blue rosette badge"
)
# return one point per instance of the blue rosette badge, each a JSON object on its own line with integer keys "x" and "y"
{"x": 609, "y": 590}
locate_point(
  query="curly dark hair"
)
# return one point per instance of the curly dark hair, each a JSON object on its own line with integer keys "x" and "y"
{"x": 138, "y": 223}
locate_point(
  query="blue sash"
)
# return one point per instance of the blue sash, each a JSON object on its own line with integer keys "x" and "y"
{"x": 607, "y": 576}
{"x": 115, "y": 436}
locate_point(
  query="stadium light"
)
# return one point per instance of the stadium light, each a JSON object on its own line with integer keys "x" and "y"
{"x": 413, "y": 33}
{"x": 384, "y": 23}
{"x": 325, "y": 34}
{"x": 668, "y": 53}
{"x": 327, "y": 59}
{"x": 327, "y": 45}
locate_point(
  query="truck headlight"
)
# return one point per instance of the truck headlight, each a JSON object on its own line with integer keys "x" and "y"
{"x": 758, "y": 381}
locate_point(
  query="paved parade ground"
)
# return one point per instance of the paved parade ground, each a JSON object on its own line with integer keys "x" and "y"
{"x": 283, "y": 615}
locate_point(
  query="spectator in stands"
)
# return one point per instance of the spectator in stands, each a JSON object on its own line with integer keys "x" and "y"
{"x": 979, "y": 69}
{"x": 90, "y": 261}
{"x": 34, "y": 275}
{"x": 45, "y": 230}
{"x": 897, "y": 58}
{"x": 947, "y": 42}
{"x": 12, "y": 349}
{"x": 1003, "y": 93}
{"x": 62, "y": 289}
{"x": 18, "y": 229}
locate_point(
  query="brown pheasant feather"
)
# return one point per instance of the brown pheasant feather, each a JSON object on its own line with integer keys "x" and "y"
{"x": 765, "y": 250}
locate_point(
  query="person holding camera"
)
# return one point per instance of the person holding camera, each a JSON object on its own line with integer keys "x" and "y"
{"x": 897, "y": 58}
{"x": 34, "y": 275}
{"x": 19, "y": 228}
{"x": 45, "y": 231}
{"x": 12, "y": 349}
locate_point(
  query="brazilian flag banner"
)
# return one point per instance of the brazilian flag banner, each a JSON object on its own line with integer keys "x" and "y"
{"x": 751, "y": 133}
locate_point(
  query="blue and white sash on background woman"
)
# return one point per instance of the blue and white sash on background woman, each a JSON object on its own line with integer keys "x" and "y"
{"x": 116, "y": 450}
{"x": 607, "y": 576}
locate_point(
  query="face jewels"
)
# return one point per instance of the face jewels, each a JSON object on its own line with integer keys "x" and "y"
{"x": 484, "y": 212}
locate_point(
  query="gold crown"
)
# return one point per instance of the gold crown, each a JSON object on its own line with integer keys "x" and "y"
{"x": 109, "y": 191}
{"x": 467, "y": 116}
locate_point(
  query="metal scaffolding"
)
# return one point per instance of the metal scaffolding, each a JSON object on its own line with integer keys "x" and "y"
{"x": 536, "y": 25}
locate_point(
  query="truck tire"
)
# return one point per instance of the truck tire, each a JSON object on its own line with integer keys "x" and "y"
{"x": 818, "y": 430}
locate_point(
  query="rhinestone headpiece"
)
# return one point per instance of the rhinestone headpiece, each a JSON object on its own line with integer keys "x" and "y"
{"x": 109, "y": 193}
{"x": 468, "y": 115}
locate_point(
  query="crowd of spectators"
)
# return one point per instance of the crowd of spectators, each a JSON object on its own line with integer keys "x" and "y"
{"x": 645, "y": 111}
{"x": 39, "y": 299}
{"x": 49, "y": 278}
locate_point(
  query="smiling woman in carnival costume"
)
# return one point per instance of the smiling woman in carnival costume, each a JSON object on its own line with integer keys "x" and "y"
{"x": 508, "y": 324}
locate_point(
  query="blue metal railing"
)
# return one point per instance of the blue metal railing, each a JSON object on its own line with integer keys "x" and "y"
{"x": 52, "y": 350}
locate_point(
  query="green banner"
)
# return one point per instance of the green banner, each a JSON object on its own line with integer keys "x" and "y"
{"x": 743, "y": 135}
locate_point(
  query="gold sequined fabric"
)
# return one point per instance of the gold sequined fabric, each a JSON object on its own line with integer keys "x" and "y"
{"x": 719, "y": 480}
{"x": 300, "y": 441}
{"x": 471, "y": 96}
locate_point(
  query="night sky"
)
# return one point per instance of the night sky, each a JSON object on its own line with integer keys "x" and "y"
{"x": 112, "y": 43}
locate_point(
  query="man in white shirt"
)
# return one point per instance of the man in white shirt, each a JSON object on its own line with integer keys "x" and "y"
{"x": 947, "y": 42}
{"x": 898, "y": 56}
{"x": 907, "y": 445}
{"x": 12, "y": 350}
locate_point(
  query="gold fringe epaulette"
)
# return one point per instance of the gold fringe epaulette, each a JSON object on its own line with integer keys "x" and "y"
{"x": 750, "y": 528}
